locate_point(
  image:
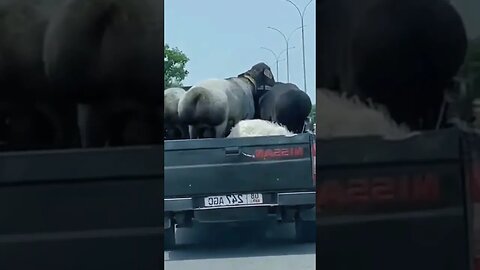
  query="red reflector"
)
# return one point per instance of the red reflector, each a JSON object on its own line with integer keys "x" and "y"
{"x": 475, "y": 182}
{"x": 476, "y": 263}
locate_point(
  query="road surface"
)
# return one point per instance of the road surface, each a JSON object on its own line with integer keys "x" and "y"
{"x": 233, "y": 248}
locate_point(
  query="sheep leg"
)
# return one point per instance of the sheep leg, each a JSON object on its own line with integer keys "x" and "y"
{"x": 62, "y": 116}
{"x": 193, "y": 132}
{"x": 140, "y": 129}
{"x": 183, "y": 131}
{"x": 221, "y": 130}
{"x": 208, "y": 132}
{"x": 92, "y": 123}
{"x": 175, "y": 132}
{"x": 230, "y": 125}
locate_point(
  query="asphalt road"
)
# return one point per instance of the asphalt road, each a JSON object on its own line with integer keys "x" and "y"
{"x": 215, "y": 248}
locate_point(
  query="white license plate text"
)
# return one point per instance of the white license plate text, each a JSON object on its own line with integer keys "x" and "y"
{"x": 233, "y": 200}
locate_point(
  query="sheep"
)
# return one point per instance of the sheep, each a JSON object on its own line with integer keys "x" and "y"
{"x": 339, "y": 116}
{"x": 401, "y": 54}
{"x": 107, "y": 56}
{"x": 258, "y": 127}
{"x": 105, "y": 48}
{"x": 212, "y": 107}
{"x": 54, "y": 53}
{"x": 174, "y": 128}
{"x": 286, "y": 104}
{"x": 33, "y": 116}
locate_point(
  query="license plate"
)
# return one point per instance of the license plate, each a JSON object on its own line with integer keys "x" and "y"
{"x": 233, "y": 200}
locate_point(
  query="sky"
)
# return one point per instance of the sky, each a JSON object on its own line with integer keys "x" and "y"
{"x": 222, "y": 38}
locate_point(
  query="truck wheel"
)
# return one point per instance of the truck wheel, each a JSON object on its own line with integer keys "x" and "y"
{"x": 305, "y": 231}
{"x": 169, "y": 238}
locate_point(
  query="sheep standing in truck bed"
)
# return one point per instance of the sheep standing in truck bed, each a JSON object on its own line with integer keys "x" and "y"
{"x": 174, "y": 128}
{"x": 32, "y": 115}
{"x": 285, "y": 104}
{"x": 212, "y": 107}
{"x": 401, "y": 54}
{"x": 107, "y": 54}
{"x": 54, "y": 53}
{"x": 102, "y": 48}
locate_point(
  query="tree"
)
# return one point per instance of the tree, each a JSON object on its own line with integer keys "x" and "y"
{"x": 471, "y": 67}
{"x": 313, "y": 114}
{"x": 174, "y": 66}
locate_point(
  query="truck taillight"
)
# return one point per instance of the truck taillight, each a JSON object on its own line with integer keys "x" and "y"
{"x": 314, "y": 164}
{"x": 474, "y": 176}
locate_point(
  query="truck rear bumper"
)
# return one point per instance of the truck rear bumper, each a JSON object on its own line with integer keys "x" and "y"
{"x": 286, "y": 207}
{"x": 282, "y": 199}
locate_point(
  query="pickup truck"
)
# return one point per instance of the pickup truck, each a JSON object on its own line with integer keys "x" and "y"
{"x": 81, "y": 208}
{"x": 399, "y": 204}
{"x": 240, "y": 181}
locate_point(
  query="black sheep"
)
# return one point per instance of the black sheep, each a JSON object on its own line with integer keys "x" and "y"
{"x": 56, "y": 53}
{"x": 285, "y": 104}
{"x": 402, "y": 54}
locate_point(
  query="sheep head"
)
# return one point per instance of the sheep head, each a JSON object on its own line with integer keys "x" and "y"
{"x": 261, "y": 74}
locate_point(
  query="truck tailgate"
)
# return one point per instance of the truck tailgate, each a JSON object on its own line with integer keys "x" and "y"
{"x": 81, "y": 209}
{"x": 214, "y": 166}
{"x": 392, "y": 204}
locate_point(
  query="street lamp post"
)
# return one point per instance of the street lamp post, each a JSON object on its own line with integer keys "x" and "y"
{"x": 286, "y": 42}
{"x": 302, "y": 14}
{"x": 277, "y": 60}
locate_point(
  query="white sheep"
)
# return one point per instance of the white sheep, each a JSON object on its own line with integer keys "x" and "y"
{"x": 212, "y": 107}
{"x": 258, "y": 127}
{"x": 340, "y": 116}
{"x": 174, "y": 128}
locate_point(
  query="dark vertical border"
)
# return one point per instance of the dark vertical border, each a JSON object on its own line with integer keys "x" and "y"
{"x": 162, "y": 77}
{"x": 318, "y": 6}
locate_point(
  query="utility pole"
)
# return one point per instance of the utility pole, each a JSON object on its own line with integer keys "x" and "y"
{"x": 302, "y": 15}
{"x": 286, "y": 43}
{"x": 277, "y": 57}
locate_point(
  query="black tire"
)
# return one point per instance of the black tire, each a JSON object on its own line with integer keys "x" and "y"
{"x": 305, "y": 231}
{"x": 169, "y": 238}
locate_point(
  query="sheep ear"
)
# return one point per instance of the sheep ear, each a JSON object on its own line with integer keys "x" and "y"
{"x": 268, "y": 73}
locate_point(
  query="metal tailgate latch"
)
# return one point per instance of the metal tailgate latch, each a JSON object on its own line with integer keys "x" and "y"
{"x": 248, "y": 155}
{"x": 235, "y": 151}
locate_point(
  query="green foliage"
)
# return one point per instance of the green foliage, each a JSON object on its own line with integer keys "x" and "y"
{"x": 313, "y": 114}
{"x": 470, "y": 70}
{"x": 174, "y": 66}
{"x": 472, "y": 59}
